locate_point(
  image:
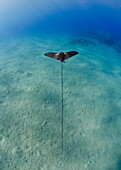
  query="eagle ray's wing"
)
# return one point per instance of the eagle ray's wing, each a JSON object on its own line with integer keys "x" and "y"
{"x": 52, "y": 55}
{"x": 70, "y": 54}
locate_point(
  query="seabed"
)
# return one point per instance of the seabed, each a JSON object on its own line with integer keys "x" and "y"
{"x": 30, "y": 104}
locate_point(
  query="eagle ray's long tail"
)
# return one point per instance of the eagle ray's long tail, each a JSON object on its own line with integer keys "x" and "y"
{"x": 62, "y": 99}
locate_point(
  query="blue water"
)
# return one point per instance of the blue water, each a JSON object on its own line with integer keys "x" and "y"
{"x": 60, "y": 17}
{"x": 31, "y": 86}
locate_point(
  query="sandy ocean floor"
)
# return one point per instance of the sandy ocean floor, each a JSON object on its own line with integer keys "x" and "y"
{"x": 30, "y": 104}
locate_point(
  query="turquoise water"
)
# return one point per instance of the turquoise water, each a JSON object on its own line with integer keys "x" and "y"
{"x": 30, "y": 86}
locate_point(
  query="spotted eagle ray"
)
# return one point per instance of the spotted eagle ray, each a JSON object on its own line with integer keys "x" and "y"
{"x": 62, "y": 56}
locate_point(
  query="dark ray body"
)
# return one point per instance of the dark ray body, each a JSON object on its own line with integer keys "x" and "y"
{"x": 62, "y": 56}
